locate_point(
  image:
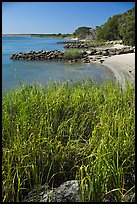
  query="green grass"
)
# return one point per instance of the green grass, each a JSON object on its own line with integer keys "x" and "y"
{"x": 73, "y": 54}
{"x": 69, "y": 131}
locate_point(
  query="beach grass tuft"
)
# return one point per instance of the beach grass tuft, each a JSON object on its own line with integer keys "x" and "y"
{"x": 69, "y": 131}
{"x": 73, "y": 54}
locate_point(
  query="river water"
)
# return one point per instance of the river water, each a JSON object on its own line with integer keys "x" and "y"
{"x": 15, "y": 73}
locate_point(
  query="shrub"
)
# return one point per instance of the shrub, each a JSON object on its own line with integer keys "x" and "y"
{"x": 72, "y": 54}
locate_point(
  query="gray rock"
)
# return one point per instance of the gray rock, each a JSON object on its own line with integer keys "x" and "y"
{"x": 67, "y": 192}
{"x": 91, "y": 52}
{"x": 102, "y": 60}
{"x": 112, "y": 53}
{"x": 98, "y": 52}
{"x": 57, "y": 54}
{"x": 104, "y": 53}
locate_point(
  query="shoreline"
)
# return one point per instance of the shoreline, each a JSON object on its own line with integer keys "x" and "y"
{"x": 123, "y": 67}
{"x": 119, "y": 59}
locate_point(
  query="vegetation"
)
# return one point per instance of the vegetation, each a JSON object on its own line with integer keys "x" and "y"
{"x": 109, "y": 31}
{"x": 85, "y": 32}
{"x": 69, "y": 131}
{"x": 72, "y": 54}
{"x": 59, "y": 35}
{"x": 127, "y": 27}
{"x": 120, "y": 26}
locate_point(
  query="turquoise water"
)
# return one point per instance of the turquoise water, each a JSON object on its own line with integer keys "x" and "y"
{"x": 16, "y": 72}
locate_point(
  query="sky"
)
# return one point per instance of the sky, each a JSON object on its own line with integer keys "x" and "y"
{"x": 57, "y": 17}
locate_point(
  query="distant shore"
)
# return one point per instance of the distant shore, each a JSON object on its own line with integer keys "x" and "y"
{"x": 59, "y": 35}
{"x": 10, "y": 35}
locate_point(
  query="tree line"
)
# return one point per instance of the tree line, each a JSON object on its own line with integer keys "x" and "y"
{"x": 118, "y": 27}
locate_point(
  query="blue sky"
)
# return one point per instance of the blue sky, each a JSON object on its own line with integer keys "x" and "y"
{"x": 57, "y": 17}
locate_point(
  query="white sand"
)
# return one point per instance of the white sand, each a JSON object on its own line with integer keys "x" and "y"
{"x": 74, "y": 38}
{"x": 123, "y": 67}
{"x": 118, "y": 46}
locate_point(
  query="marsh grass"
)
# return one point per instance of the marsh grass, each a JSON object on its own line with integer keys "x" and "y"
{"x": 72, "y": 54}
{"x": 69, "y": 131}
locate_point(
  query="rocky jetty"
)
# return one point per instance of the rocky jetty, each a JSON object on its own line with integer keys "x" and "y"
{"x": 79, "y": 45}
{"x": 38, "y": 55}
{"x": 89, "y": 55}
{"x": 76, "y": 44}
{"x": 70, "y": 42}
{"x": 84, "y": 44}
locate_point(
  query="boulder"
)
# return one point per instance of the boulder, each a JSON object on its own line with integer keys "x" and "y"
{"x": 102, "y": 60}
{"x": 105, "y": 53}
{"x": 58, "y": 55}
{"x": 98, "y": 52}
{"x": 86, "y": 60}
{"x": 67, "y": 192}
{"x": 112, "y": 53}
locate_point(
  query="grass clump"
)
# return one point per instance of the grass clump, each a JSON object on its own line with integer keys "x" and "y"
{"x": 72, "y": 54}
{"x": 65, "y": 132}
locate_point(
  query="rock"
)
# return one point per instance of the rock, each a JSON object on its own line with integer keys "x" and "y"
{"x": 91, "y": 52}
{"x": 86, "y": 60}
{"x": 104, "y": 53}
{"x": 97, "y": 56}
{"x": 127, "y": 197}
{"x": 130, "y": 71}
{"x": 58, "y": 55}
{"x": 102, "y": 60}
{"x": 111, "y": 53}
{"x": 67, "y": 192}
{"x": 77, "y": 45}
{"x": 90, "y": 57}
{"x": 118, "y": 52}
{"x": 98, "y": 52}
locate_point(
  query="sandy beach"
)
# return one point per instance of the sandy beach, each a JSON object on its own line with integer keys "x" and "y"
{"x": 123, "y": 67}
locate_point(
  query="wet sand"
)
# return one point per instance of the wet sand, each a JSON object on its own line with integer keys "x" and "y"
{"x": 123, "y": 67}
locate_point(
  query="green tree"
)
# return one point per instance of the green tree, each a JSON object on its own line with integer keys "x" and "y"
{"x": 82, "y": 32}
{"x": 127, "y": 27}
{"x": 121, "y": 26}
{"x": 109, "y": 30}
